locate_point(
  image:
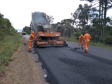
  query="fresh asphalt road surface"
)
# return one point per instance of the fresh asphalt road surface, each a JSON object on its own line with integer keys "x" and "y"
{"x": 66, "y": 65}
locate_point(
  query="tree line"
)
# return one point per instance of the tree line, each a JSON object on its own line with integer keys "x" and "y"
{"x": 27, "y": 30}
{"x": 92, "y": 18}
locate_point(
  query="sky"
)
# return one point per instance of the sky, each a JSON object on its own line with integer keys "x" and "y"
{"x": 19, "y": 11}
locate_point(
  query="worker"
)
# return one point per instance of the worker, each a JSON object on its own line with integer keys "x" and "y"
{"x": 81, "y": 40}
{"x": 87, "y": 38}
{"x": 31, "y": 37}
{"x": 47, "y": 31}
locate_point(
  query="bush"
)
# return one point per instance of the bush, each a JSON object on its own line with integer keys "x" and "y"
{"x": 108, "y": 40}
{"x": 102, "y": 40}
{"x": 77, "y": 34}
{"x": 96, "y": 39}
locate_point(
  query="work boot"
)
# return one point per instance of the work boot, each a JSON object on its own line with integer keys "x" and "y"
{"x": 86, "y": 52}
{"x": 29, "y": 51}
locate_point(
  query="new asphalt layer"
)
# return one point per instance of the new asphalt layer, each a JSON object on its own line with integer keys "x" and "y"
{"x": 66, "y": 65}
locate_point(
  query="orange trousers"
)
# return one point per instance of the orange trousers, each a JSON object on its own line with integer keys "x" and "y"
{"x": 86, "y": 46}
{"x": 30, "y": 45}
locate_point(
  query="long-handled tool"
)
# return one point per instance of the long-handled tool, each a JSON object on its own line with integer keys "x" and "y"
{"x": 78, "y": 46}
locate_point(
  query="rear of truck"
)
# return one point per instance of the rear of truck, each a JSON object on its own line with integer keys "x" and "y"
{"x": 23, "y": 33}
{"x": 44, "y": 37}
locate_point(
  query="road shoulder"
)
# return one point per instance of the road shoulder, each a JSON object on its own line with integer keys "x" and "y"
{"x": 23, "y": 69}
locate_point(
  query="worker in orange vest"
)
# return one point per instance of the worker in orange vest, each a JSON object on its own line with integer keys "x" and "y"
{"x": 87, "y": 38}
{"x": 31, "y": 37}
{"x": 81, "y": 40}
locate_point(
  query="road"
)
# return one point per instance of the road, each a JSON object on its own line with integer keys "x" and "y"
{"x": 65, "y": 65}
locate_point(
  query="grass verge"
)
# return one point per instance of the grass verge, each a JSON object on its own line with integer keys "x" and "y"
{"x": 7, "y": 47}
{"x": 96, "y": 44}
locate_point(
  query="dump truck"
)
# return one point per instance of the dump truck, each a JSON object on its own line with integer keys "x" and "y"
{"x": 23, "y": 33}
{"x": 44, "y": 36}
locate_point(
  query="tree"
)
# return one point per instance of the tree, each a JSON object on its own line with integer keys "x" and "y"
{"x": 67, "y": 28}
{"x": 6, "y": 27}
{"x": 50, "y": 18}
{"x": 27, "y": 29}
{"x": 104, "y": 5}
{"x": 81, "y": 15}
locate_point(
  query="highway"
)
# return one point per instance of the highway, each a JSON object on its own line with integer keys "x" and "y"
{"x": 66, "y": 65}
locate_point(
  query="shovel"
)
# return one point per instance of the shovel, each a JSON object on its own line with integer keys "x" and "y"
{"x": 77, "y": 47}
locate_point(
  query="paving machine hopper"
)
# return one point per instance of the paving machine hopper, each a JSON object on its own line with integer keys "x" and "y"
{"x": 44, "y": 37}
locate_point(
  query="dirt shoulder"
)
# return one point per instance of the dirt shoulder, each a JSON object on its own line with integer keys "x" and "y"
{"x": 23, "y": 69}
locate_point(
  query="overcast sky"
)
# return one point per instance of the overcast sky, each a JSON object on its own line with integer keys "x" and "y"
{"x": 19, "y": 11}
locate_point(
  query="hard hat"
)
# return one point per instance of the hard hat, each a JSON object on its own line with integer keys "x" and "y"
{"x": 81, "y": 35}
{"x": 32, "y": 32}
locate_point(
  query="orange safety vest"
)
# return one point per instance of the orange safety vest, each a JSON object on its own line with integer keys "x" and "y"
{"x": 31, "y": 37}
{"x": 81, "y": 38}
{"x": 87, "y": 37}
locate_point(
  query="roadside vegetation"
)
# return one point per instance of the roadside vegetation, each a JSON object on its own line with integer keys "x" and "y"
{"x": 96, "y": 44}
{"x": 27, "y": 29}
{"x": 9, "y": 41}
{"x": 91, "y": 18}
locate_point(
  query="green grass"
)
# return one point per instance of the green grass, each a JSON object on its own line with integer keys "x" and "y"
{"x": 96, "y": 44}
{"x": 101, "y": 45}
{"x": 7, "y": 47}
{"x": 72, "y": 40}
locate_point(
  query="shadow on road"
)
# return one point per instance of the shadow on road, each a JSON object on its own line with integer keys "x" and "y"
{"x": 103, "y": 60}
